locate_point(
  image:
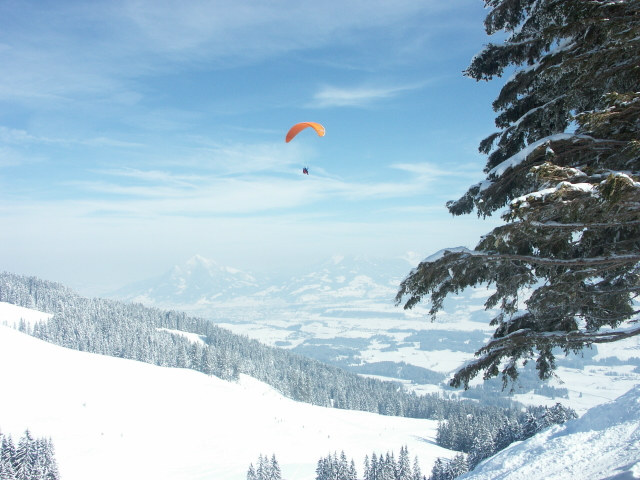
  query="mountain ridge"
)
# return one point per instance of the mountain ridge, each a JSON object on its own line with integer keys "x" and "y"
{"x": 201, "y": 281}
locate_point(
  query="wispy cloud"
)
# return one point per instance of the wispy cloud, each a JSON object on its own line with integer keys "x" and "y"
{"x": 422, "y": 169}
{"x": 13, "y": 135}
{"x": 360, "y": 96}
{"x": 227, "y": 27}
{"x": 18, "y": 137}
{"x": 10, "y": 157}
{"x": 156, "y": 193}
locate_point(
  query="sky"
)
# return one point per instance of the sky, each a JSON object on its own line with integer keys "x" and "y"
{"x": 135, "y": 134}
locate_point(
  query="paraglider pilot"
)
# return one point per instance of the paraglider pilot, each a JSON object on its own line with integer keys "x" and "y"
{"x": 305, "y": 170}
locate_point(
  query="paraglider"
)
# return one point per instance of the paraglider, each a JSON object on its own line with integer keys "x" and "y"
{"x": 298, "y": 127}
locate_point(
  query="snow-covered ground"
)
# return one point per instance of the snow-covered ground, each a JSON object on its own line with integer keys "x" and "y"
{"x": 114, "y": 418}
{"x": 11, "y": 315}
{"x": 192, "y": 337}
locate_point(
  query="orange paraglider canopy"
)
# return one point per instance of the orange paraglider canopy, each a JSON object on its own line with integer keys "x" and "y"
{"x": 298, "y": 127}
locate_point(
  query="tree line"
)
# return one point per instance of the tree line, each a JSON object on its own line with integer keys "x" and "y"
{"x": 337, "y": 467}
{"x": 376, "y": 467}
{"x": 265, "y": 469}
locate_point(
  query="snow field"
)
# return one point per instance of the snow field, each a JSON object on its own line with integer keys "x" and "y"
{"x": 11, "y": 315}
{"x": 116, "y": 418}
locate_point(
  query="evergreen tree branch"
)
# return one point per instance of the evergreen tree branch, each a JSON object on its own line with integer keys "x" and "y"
{"x": 520, "y": 342}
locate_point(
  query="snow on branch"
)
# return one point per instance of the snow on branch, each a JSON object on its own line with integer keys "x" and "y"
{"x": 523, "y": 340}
{"x": 575, "y": 225}
{"x": 441, "y": 253}
{"x": 522, "y": 155}
{"x": 612, "y": 259}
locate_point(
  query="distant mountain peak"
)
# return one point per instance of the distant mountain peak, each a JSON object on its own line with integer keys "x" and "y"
{"x": 196, "y": 280}
{"x": 199, "y": 259}
{"x": 336, "y": 259}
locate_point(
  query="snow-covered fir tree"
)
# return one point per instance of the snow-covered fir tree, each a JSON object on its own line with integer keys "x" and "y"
{"x": 459, "y": 465}
{"x": 417, "y": 471}
{"x": 333, "y": 467}
{"x": 565, "y": 163}
{"x": 403, "y": 471}
{"x": 31, "y": 459}
{"x": 483, "y": 446}
{"x": 274, "y": 471}
{"x": 267, "y": 469}
{"x": 385, "y": 467}
{"x": 449, "y": 469}
{"x": 251, "y": 473}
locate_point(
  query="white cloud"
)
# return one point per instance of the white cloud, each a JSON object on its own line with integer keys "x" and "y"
{"x": 422, "y": 169}
{"x": 22, "y": 138}
{"x": 13, "y": 135}
{"x": 330, "y": 96}
{"x": 10, "y": 157}
{"x": 221, "y": 181}
{"x": 261, "y": 28}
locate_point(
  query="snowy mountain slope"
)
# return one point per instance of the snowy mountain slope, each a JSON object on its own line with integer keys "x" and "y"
{"x": 115, "y": 418}
{"x": 356, "y": 277}
{"x": 603, "y": 444}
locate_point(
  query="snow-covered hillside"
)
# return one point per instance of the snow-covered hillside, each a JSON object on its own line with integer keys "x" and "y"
{"x": 603, "y": 444}
{"x": 114, "y": 418}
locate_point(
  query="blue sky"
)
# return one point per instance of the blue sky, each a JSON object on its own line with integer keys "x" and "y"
{"x": 137, "y": 133}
